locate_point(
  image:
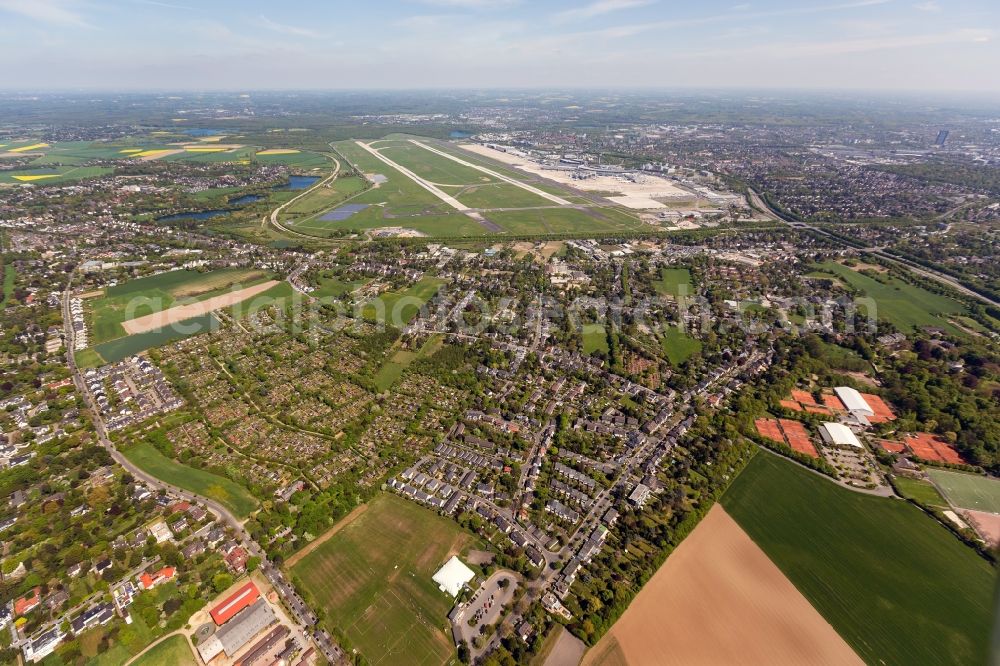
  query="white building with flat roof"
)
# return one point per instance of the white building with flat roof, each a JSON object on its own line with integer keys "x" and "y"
{"x": 853, "y": 401}
{"x": 837, "y": 434}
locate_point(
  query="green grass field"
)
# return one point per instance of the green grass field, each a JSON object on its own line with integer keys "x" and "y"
{"x": 232, "y": 495}
{"x": 968, "y": 491}
{"x": 558, "y": 221}
{"x": 321, "y": 199}
{"x": 327, "y": 287}
{"x": 88, "y": 358}
{"x": 173, "y": 651}
{"x": 373, "y": 578}
{"x": 119, "y": 348}
{"x": 595, "y": 338}
{"x": 398, "y": 308}
{"x": 394, "y": 367}
{"x": 674, "y": 282}
{"x": 896, "y": 585}
{"x": 921, "y": 491}
{"x": 905, "y": 305}
{"x": 143, "y": 296}
{"x": 678, "y": 345}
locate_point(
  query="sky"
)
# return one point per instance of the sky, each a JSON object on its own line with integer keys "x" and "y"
{"x": 883, "y": 45}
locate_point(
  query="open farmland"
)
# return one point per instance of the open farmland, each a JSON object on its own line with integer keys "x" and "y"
{"x": 234, "y": 496}
{"x": 53, "y": 175}
{"x": 144, "y": 296}
{"x": 718, "y": 599}
{"x": 893, "y": 582}
{"x": 373, "y": 579}
{"x": 968, "y": 491}
{"x": 115, "y": 350}
{"x": 905, "y": 305}
{"x": 179, "y": 313}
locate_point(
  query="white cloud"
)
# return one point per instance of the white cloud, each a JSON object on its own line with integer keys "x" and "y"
{"x": 601, "y": 7}
{"x": 284, "y": 29}
{"x": 929, "y": 6}
{"x": 58, "y": 12}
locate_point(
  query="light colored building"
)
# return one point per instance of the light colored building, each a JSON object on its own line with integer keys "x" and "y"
{"x": 837, "y": 434}
{"x": 853, "y": 401}
{"x": 453, "y": 576}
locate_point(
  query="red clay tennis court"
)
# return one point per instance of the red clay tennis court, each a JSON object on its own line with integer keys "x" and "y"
{"x": 787, "y": 432}
{"x": 883, "y": 412}
{"x": 933, "y": 448}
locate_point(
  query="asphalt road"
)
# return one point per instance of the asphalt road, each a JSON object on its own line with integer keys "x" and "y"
{"x": 300, "y": 611}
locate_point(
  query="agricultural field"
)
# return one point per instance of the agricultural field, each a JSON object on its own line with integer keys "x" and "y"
{"x": 895, "y": 584}
{"x": 53, "y": 175}
{"x": 674, "y": 282}
{"x": 398, "y": 308}
{"x": 144, "y": 296}
{"x": 373, "y": 580}
{"x": 968, "y": 491}
{"x": 678, "y": 345}
{"x": 172, "y": 651}
{"x": 684, "y": 614}
{"x": 119, "y": 348}
{"x": 228, "y": 493}
{"x": 905, "y": 305}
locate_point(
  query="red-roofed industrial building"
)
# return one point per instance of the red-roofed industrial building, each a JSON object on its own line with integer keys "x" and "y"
{"x": 233, "y": 604}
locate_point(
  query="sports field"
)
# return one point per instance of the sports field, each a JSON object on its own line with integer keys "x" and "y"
{"x": 225, "y": 491}
{"x": 920, "y": 491}
{"x": 905, "y": 305}
{"x": 373, "y": 579}
{"x": 968, "y": 491}
{"x": 894, "y": 583}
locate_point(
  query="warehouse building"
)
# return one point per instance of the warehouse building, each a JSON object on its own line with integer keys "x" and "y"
{"x": 237, "y": 632}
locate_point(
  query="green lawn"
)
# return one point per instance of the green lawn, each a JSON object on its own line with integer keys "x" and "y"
{"x": 968, "y": 491}
{"x": 88, "y": 358}
{"x": 894, "y": 583}
{"x": 173, "y": 651}
{"x": 394, "y": 367}
{"x": 322, "y": 199}
{"x": 595, "y": 338}
{"x": 373, "y": 580}
{"x": 398, "y": 308}
{"x": 232, "y": 495}
{"x": 921, "y": 491}
{"x": 327, "y": 287}
{"x": 905, "y": 305}
{"x": 674, "y": 282}
{"x": 678, "y": 345}
{"x": 558, "y": 221}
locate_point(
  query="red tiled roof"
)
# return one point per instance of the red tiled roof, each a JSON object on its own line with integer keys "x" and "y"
{"x": 234, "y": 603}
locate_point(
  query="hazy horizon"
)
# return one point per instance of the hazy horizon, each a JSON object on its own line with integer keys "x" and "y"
{"x": 149, "y": 45}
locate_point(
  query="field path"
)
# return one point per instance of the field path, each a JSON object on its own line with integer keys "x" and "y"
{"x": 718, "y": 599}
{"x": 316, "y": 543}
{"x": 180, "y": 313}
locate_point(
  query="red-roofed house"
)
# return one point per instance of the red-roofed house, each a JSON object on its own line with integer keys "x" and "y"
{"x": 149, "y": 581}
{"x": 234, "y": 603}
{"x": 26, "y": 604}
{"x": 236, "y": 560}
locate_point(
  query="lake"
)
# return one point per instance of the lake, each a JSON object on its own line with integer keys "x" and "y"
{"x": 245, "y": 199}
{"x": 298, "y": 183}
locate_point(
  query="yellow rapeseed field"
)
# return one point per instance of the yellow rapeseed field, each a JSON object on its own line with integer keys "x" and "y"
{"x": 24, "y": 149}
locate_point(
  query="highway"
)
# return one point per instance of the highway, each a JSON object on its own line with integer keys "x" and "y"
{"x": 881, "y": 253}
{"x": 300, "y": 611}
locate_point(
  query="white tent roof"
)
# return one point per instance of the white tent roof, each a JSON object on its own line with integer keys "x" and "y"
{"x": 453, "y": 576}
{"x": 839, "y": 435}
{"x": 853, "y": 400}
